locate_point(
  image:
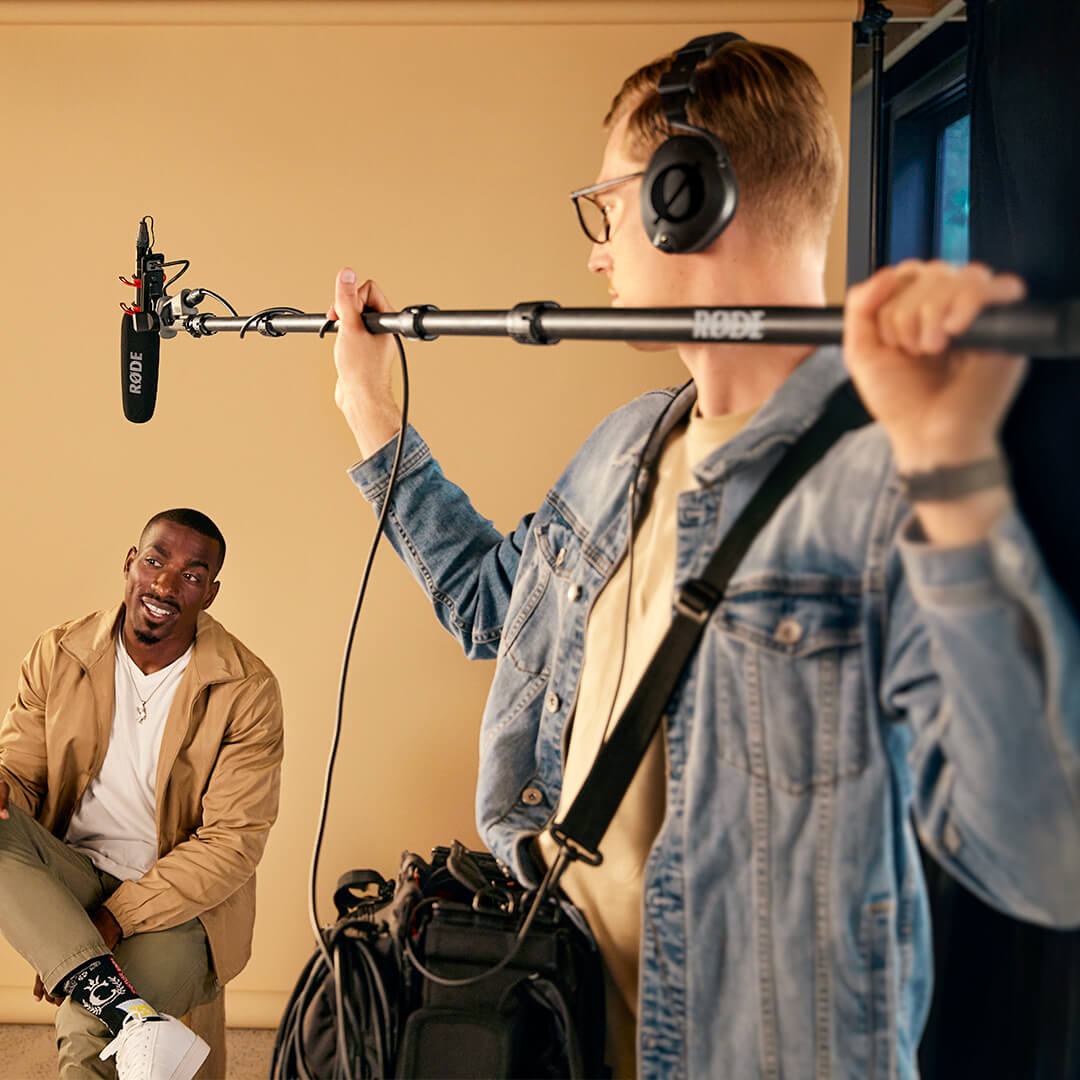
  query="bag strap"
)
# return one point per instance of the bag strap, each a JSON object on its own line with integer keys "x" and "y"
{"x": 589, "y": 815}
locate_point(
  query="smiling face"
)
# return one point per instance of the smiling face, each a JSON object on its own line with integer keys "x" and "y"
{"x": 169, "y": 579}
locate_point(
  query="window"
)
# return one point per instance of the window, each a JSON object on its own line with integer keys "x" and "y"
{"x": 927, "y": 186}
{"x": 925, "y": 155}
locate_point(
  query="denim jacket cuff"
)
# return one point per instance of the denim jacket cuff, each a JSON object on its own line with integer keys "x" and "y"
{"x": 372, "y": 474}
{"x": 1006, "y": 561}
{"x": 528, "y": 861}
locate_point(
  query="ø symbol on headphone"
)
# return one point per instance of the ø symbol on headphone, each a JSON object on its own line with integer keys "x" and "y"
{"x": 678, "y": 193}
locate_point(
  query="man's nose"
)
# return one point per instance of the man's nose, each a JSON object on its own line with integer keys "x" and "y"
{"x": 164, "y": 581}
{"x": 599, "y": 259}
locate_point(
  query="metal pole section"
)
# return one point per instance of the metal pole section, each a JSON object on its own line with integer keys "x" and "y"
{"x": 953, "y": 11}
{"x": 874, "y": 19}
{"x": 1045, "y": 330}
{"x": 878, "y": 39}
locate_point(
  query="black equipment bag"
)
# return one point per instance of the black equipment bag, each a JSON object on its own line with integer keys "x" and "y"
{"x": 384, "y": 1011}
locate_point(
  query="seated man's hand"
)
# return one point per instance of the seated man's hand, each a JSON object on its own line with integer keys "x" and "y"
{"x": 107, "y": 926}
{"x": 40, "y": 992}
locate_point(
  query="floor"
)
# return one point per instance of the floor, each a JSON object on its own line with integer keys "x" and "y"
{"x": 28, "y": 1052}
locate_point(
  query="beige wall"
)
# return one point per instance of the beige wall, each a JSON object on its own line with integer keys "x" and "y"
{"x": 429, "y": 144}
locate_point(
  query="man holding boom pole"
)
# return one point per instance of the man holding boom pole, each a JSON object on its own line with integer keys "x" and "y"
{"x": 889, "y": 655}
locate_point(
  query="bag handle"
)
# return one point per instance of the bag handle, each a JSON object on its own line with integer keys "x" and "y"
{"x": 357, "y": 881}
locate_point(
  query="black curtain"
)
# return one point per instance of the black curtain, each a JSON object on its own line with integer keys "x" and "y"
{"x": 1007, "y": 1002}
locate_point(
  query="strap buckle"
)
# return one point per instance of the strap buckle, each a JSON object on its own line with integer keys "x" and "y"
{"x": 696, "y": 600}
{"x": 572, "y": 848}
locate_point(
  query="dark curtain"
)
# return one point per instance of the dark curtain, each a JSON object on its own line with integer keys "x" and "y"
{"x": 1007, "y": 1002}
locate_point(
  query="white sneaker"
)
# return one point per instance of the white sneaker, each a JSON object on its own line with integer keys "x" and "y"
{"x": 156, "y": 1048}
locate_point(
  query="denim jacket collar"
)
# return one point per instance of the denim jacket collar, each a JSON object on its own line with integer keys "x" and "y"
{"x": 794, "y": 406}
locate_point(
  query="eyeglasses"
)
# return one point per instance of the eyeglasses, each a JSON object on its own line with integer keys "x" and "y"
{"x": 592, "y": 216}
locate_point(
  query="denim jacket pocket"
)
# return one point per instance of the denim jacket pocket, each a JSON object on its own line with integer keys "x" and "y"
{"x": 537, "y": 597}
{"x": 796, "y": 694}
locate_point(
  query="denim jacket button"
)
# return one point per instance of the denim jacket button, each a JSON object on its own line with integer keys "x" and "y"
{"x": 573, "y": 593}
{"x": 561, "y": 557}
{"x": 1012, "y": 559}
{"x": 788, "y": 631}
{"x": 552, "y": 702}
{"x": 532, "y": 796}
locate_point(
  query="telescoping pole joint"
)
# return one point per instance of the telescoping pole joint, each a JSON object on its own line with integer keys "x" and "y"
{"x": 524, "y": 325}
{"x": 416, "y": 313}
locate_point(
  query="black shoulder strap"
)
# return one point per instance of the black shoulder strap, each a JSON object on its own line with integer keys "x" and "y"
{"x": 588, "y": 817}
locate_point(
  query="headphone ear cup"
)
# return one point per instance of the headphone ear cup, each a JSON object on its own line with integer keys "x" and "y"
{"x": 688, "y": 193}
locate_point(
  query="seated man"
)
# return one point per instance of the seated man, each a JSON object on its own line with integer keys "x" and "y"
{"x": 139, "y": 777}
{"x": 890, "y": 649}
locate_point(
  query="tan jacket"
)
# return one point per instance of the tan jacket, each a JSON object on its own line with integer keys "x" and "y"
{"x": 218, "y": 772}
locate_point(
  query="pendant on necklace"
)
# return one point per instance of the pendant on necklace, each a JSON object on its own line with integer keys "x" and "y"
{"x": 140, "y": 711}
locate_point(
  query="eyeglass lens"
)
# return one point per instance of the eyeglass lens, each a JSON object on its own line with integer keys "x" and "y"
{"x": 592, "y": 218}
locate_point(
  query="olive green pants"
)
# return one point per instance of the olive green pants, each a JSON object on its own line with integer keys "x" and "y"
{"x": 46, "y": 889}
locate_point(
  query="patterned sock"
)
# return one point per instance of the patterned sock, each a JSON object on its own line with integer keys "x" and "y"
{"x": 101, "y": 988}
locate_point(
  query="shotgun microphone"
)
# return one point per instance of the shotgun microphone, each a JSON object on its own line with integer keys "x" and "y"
{"x": 139, "y": 353}
{"x": 140, "y": 330}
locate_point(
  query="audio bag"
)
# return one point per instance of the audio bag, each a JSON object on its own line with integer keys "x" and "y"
{"x": 384, "y": 1009}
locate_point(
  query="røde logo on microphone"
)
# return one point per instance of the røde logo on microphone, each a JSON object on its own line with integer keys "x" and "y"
{"x": 135, "y": 373}
{"x": 721, "y": 325}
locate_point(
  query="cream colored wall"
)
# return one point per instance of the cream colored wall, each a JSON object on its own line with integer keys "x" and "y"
{"x": 430, "y": 144}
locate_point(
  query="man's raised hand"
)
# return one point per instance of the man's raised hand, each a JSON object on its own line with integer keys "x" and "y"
{"x": 364, "y": 364}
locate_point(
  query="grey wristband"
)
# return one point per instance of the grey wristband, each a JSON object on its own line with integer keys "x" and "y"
{"x": 954, "y": 481}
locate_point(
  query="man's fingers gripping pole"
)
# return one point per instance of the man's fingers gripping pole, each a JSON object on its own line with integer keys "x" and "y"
{"x": 347, "y": 306}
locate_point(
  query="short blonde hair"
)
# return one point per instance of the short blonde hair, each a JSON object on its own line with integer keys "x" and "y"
{"x": 769, "y": 108}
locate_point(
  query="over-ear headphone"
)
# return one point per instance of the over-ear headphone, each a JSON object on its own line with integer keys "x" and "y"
{"x": 689, "y": 192}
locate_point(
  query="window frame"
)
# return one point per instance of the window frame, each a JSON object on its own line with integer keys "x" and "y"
{"x": 935, "y": 68}
{"x": 916, "y": 119}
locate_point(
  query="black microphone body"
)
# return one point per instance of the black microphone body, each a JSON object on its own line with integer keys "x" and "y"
{"x": 139, "y": 353}
{"x": 140, "y": 331}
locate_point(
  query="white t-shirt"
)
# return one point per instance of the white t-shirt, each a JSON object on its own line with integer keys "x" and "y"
{"x": 115, "y": 822}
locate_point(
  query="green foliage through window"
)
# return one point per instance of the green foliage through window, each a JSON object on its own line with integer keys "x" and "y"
{"x": 953, "y": 191}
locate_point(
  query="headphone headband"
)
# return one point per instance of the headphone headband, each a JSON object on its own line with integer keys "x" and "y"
{"x": 679, "y": 82}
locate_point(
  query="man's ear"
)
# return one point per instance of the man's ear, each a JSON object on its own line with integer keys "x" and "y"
{"x": 211, "y": 595}
{"x": 130, "y": 559}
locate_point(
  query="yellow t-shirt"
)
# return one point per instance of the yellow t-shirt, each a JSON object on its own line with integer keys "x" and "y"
{"x": 610, "y": 894}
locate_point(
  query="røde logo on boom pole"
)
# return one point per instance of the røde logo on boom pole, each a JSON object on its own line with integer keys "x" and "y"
{"x": 713, "y": 324}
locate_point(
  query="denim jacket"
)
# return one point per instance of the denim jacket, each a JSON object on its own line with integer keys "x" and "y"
{"x": 854, "y": 680}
